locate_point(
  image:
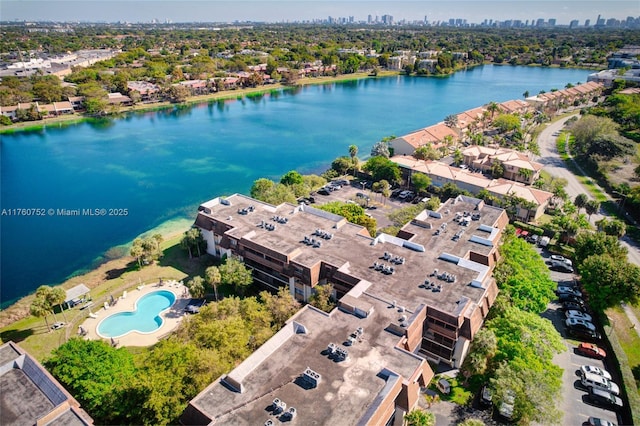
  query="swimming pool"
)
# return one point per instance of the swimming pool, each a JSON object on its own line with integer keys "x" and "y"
{"x": 145, "y": 318}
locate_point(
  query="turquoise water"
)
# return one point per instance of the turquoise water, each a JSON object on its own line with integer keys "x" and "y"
{"x": 160, "y": 165}
{"x": 145, "y": 319}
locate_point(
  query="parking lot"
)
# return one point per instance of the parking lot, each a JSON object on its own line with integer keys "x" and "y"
{"x": 575, "y": 405}
{"x": 376, "y": 206}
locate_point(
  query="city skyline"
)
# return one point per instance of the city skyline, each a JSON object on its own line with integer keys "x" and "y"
{"x": 473, "y": 11}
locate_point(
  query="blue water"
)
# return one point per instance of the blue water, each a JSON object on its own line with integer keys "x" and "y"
{"x": 145, "y": 319}
{"x": 161, "y": 165}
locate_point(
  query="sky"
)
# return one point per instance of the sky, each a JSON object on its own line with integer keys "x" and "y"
{"x": 474, "y": 11}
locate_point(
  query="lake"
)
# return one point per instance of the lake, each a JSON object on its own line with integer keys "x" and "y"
{"x": 151, "y": 170}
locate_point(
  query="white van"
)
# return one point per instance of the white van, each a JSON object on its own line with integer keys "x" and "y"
{"x": 596, "y": 381}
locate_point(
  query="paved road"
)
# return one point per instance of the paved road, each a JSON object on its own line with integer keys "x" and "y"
{"x": 556, "y": 167}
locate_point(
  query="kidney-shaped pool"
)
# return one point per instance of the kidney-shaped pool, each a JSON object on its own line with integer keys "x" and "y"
{"x": 145, "y": 318}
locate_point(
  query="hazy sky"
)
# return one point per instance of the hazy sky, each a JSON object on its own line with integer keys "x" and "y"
{"x": 296, "y": 10}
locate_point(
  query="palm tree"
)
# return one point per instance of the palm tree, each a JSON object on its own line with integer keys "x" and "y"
{"x": 493, "y": 107}
{"x": 57, "y": 296}
{"x": 196, "y": 287}
{"x": 525, "y": 94}
{"x": 353, "y": 151}
{"x": 451, "y": 121}
{"x": 591, "y": 207}
{"x": 40, "y": 308}
{"x": 580, "y": 201}
{"x": 213, "y": 278}
{"x": 44, "y": 292}
{"x": 526, "y": 174}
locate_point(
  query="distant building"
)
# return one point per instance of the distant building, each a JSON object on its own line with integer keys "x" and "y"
{"x": 29, "y": 395}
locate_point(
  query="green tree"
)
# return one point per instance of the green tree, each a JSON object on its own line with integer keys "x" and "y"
{"x": 597, "y": 243}
{"x": 581, "y": 201}
{"x": 507, "y": 122}
{"x": 291, "y": 178}
{"x": 281, "y": 305}
{"x": 261, "y": 187}
{"x": 591, "y": 207}
{"x": 381, "y": 148}
{"x": 213, "y": 277}
{"x": 322, "y": 297}
{"x": 609, "y": 280}
{"x": 382, "y": 168}
{"x": 96, "y": 374}
{"x": 493, "y": 107}
{"x": 196, "y": 287}
{"x": 419, "y": 417}
{"x": 522, "y": 276}
{"x": 451, "y": 121}
{"x": 426, "y": 152}
{"x": 483, "y": 348}
{"x": 614, "y": 227}
{"x": 40, "y": 308}
{"x": 233, "y": 272}
{"x": 137, "y": 251}
{"x": 420, "y": 182}
{"x": 354, "y": 213}
{"x": 353, "y": 152}
{"x": 497, "y": 169}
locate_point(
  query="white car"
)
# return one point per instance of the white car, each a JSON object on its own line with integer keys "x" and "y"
{"x": 592, "y": 369}
{"x": 578, "y": 315}
{"x": 580, "y": 323}
{"x": 563, "y": 259}
{"x": 595, "y": 381}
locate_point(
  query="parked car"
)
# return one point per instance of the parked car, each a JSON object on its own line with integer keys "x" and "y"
{"x": 580, "y": 324}
{"x": 584, "y": 334}
{"x": 568, "y": 290}
{"x": 405, "y": 195}
{"x": 323, "y": 191}
{"x": 595, "y": 421}
{"x": 592, "y": 369}
{"x": 572, "y": 306}
{"x": 605, "y": 399}
{"x": 591, "y": 350}
{"x": 57, "y": 325}
{"x": 533, "y": 239}
{"x": 486, "y": 396}
{"x": 507, "y": 404}
{"x": 559, "y": 258}
{"x": 578, "y": 315}
{"x": 590, "y": 380}
{"x": 566, "y": 297}
{"x": 396, "y": 192}
{"x": 560, "y": 266}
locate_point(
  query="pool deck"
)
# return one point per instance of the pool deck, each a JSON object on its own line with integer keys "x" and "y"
{"x": 172, "y": 316}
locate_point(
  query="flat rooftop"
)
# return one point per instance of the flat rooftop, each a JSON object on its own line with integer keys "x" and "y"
{"x": 440, "y": 240}
{"x": 21, "y": 401}
{"x": 28, "y": 393}
{"x": 346, "y": 389}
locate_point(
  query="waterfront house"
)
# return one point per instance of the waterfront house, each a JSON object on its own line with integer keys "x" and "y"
{"x": 435, "y": 136}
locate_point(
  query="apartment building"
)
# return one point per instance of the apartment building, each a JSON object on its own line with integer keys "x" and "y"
{"x": 403, "y": 300}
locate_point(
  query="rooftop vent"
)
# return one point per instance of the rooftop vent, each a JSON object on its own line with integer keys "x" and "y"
{"x": 312, "y": 377}
{"x": 400, "y": 308}
{"x": 225, "y": 202}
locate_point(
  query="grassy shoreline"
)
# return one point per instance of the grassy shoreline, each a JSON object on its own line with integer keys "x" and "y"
{"x": 71, "y": 119}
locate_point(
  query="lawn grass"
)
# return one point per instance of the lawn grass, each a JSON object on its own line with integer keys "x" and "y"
{"x": 459, "y": 395}
{"x": 626, "y": 344}
{"x": 110, "y": 279}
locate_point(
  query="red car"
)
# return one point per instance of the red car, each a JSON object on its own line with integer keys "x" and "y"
{"x": 591, "y": 350}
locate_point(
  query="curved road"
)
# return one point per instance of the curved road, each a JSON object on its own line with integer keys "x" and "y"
{"x": 556, "y": 167}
